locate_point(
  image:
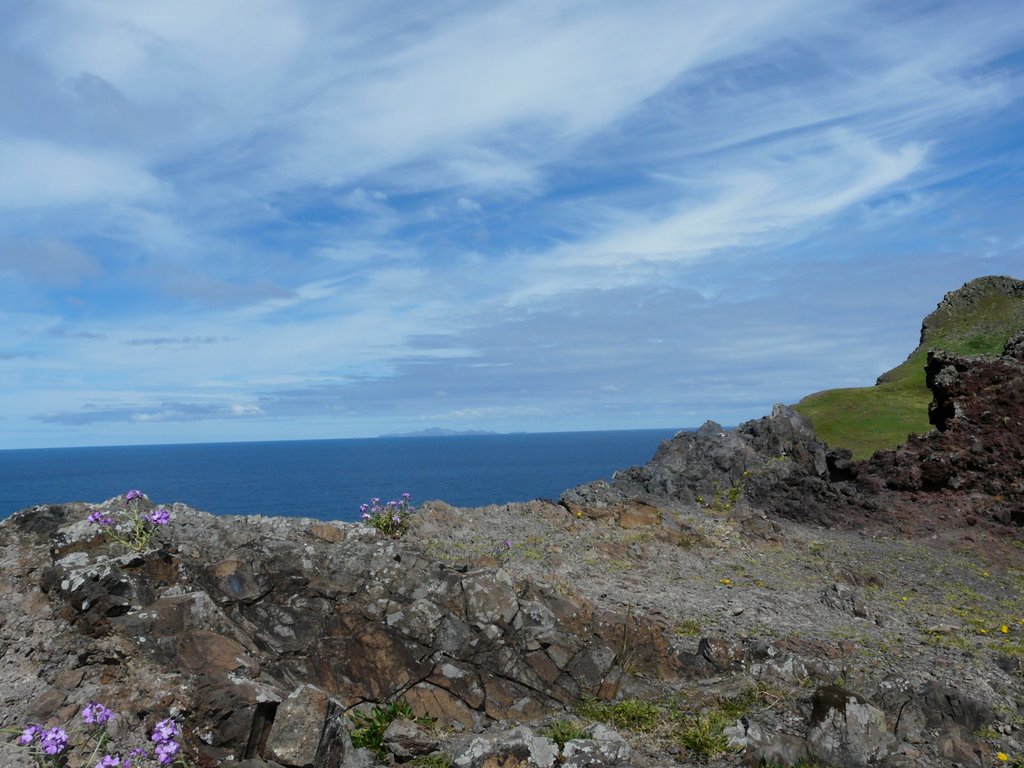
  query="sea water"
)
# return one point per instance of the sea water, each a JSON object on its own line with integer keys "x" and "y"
{"x": 325, "y": 479}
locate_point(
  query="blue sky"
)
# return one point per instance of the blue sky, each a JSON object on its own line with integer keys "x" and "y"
{"x": 248, "y": 219}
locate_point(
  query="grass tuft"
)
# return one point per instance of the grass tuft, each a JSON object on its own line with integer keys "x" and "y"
{"x": 629, "y": 714}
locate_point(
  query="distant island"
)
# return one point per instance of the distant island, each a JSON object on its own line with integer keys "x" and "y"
{"x": 440, "y": 432}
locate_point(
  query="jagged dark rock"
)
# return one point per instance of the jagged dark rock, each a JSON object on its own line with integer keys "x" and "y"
{"x": 776, "y": 463}
{"x": 977, "y": 449}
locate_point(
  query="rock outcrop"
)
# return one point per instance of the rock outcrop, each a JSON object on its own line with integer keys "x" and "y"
{"x": 240, "y": 623}
{"x": 972, "y": 461}
{"x": 775, "y": 463}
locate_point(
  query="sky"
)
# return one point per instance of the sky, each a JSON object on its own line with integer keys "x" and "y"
{"x": 227, "y": 220}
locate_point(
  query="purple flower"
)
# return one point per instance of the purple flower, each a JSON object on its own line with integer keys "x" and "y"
{"x": 100, "y": 518}
{"x": 29, "y": 735}
{"x": 406, "y": 495}
{"x": 166, "y": 751}
{"x": 96, "y": 714}
{"x": 158, "y": 516}
{"x": 366, "y": 516}
{"x": 112, "y": 761}
{"x": 54, "y": 741}
{"x": 133, "y": 494}
{"x": 364, "y": 507}
{"x": 396, "y": 519}
{"x": 164, "y": 731}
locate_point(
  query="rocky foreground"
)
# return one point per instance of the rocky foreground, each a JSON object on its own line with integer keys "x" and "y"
{"x": 748, "y": 597}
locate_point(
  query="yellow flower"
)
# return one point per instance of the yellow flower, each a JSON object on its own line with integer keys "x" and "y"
{"x": 984, "y": 631}
{"x": 904, "y": 599}
{"x": 1004, "y": 629}
{"x": 725, "y": 582}
{"x": 984, "y": 574}
{"x": 1002, "y": 757}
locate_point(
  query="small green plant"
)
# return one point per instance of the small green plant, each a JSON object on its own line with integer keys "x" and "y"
{"x": 136, "y": 529}
{"x": 630, "y": 714}
{"x": 724, "y": 499}
{"x": 391, "y": 519}
{"x": 687, "y": 628}
{"x": 562, "y": 731}
{"x": 703, "y": 737}
{"x": 368, "y": 727}
{"x": 436, "y": 760}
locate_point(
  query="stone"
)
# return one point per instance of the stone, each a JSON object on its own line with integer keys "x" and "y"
{"x": 637, "y": 515}
{"x": 845, "y": 730}
{"x": 490, "y": 598}
{"x": 603, "y": 748}
{"x": 515, "y": 748}
{"x": 722, "y": 653}
{"x": 406, "y": 739}
{"x": 771, "y": 749}
{"x": 298, "y": 724}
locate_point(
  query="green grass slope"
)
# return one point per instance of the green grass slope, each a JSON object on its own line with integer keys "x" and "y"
{"x": 976, "y": 319}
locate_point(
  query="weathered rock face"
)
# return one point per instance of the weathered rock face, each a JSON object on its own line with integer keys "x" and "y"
{"x": 236, "y": 622}
{"x": 775, "y": 463}
{"x": 978, "y": 448}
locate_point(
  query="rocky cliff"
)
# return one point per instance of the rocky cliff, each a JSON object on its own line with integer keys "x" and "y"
{"x": 747, "y": 597}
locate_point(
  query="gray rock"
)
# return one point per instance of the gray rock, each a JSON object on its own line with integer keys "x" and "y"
{"x": 775, "y": 463}
{"x": 298, "y": 725}
{"x": 845, "y": 730}
{"x": 516, "y": 748}
{"x": 407, "y": 739}
{"x": 772, "y": 749}
{"x": 604, "y": 748}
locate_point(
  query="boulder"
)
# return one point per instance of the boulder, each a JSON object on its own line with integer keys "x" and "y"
{"x": 515, "y": 748}
{"x": 845, "y": 730}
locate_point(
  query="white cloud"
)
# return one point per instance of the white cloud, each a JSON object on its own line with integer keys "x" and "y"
{"x": 44, "y": 174}
{"x": 749, "y": 201}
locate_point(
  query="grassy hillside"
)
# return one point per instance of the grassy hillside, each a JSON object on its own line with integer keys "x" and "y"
{"x": 976, "y": 319}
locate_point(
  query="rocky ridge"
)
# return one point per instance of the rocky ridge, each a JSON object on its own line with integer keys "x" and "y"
{"x": 756, "y": 596}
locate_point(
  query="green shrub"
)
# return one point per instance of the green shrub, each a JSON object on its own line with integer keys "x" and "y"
{"x": 368, "y": 728}
{"x": 562, "y": 731}
{"x": 629, "y": 714}
{"x": 703, "y": 737}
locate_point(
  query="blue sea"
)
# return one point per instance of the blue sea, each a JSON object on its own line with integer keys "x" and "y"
{"x": 325, "y": 479}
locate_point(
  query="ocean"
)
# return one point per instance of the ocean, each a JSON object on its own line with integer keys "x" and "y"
{"x": 325, "y": 479}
